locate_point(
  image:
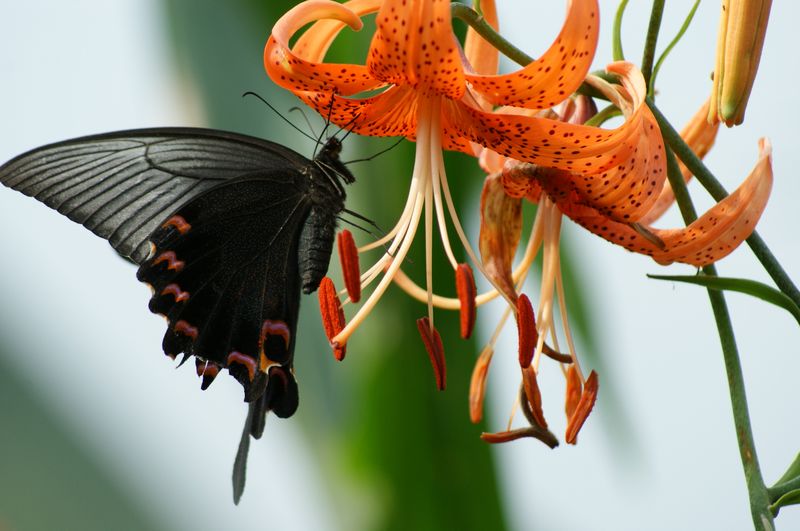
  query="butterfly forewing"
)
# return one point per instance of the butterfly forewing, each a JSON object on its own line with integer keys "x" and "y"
{"x": 121, "y": 185}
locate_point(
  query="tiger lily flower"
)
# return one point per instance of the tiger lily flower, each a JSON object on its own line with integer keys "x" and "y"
{"x": 428, "y": 92}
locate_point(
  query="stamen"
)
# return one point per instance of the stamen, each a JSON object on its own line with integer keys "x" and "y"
{"x": 433, "y": 344}
{"x": 583, "y": 409}
{"x": 465, "y": 288}
{"x": 348, "y": 256}
{"x": 533, "y": 395}
{"x": 512, "y": 435}
{"x": 477, "y": 385}
{"x": 573, "y": 391}
{"x": 332, "y": 315}
{"x": 526, "y": 328}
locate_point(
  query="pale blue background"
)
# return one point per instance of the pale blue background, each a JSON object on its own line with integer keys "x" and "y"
{"x": 86, "y": 66}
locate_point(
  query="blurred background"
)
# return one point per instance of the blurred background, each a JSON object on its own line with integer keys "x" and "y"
{"x": 97, "y": 431}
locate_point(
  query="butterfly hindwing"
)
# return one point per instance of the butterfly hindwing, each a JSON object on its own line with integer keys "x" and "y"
{"x": 224, "y": 272}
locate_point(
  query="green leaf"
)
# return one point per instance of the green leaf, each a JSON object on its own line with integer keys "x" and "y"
{"x": 742, "y": 285}
{"x": 672, "y": 44}
{"x": 790, "y": 498}
{"x": 616, "y": 39}
{"x": 792, "y": 472}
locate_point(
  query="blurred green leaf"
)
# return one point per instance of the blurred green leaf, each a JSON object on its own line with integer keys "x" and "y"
{"x": 792, "y": 472}
{"x": 741, "y": 285}
{"x": 790, "y": 498}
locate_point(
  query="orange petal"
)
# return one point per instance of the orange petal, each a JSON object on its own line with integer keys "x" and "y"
{"x": 482, "y": 56}
{"x": 584, "y": 407}
{"x": 556, "y": 74}
{"x": 305, "y": 72}
{"x": 477, "y": 385}
{"x": 699, "y": 135}
{"x": 727, "y": 224}
{"x": 501, "y": 228}
{"x": 414, "y": 45}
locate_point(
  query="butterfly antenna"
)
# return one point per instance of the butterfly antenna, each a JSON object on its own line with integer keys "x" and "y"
{"x": 327, "y": 123}
{"x": 265, "y": 102}
{"x": 308, "y": 123}
{"x": 364, "y": 218}
{"x": 379, "y": 153}
{"x": 365, "y": 229}
{"x": 347, "y": 127}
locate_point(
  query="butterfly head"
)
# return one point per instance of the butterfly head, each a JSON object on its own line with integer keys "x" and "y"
{"x": 328, "y": 160}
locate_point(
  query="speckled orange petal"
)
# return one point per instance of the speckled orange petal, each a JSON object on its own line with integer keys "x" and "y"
{"x": 296, "y": 73}
{"x": 482, "y": 56}
{"x": 391, "y": 113}
{"x": 710, "y": 238}
{"x": 314, "y": 43}
{"x": 699, "y": 135}
{"x": 500, "y": 232}
{"x": 556, "y": 74}
{"x": 719, "y": 231}
{"x": 414, "y": 45}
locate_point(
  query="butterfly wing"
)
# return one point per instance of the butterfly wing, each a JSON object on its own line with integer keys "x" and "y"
{"x": 123, "y": 185}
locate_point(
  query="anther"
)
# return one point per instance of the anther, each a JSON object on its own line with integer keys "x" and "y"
{"x": 533, "y": 396}
{"x": 433, "y": 344}
{"x": 477, "y": 386}
{"x": 512, "y": 435}
{"x": 573, "y": 391}
{"x": 332, "y": 314}
{"x": 582, "y": 410}
{"x": 465, "y": 288}
{"x": 348, "y": 256}
{"x": 526, "y": 327}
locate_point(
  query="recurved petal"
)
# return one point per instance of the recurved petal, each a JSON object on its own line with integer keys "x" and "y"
{"x": 482, "y": 56}
{"x": 391, "y": 113}
{"x": 302, "y": 70}
{"x": 414, "y": 45}
{"x": 727, "y": 224}
{"x": 618, "y": 172}
{"x": 699, "y": 135}
{"x": 710, "y": 238}
{"x": 556, "y": 74}
{"x": 501, "y": 228}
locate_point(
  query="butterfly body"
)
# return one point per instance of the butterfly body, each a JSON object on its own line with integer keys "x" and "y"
{"x": 226, "y": 229}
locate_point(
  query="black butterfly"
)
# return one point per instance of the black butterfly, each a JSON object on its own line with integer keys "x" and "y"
{"x": 225, "y": 228}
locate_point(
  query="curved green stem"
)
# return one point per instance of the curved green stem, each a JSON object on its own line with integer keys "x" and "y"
{"x": 616, "y": 35}
{"x": 652, "y": 38}
{"x": 757, "y": 490}
{"x": 782, "y": 488}
{"x": 670, "y": 46}
{"x": 718, "y": 192}
{"x": 479, "y": 24}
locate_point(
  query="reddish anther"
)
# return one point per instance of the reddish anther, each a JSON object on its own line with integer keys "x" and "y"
{"x": 584, "y": 407}
{"x": 348, "y": 256}
{"x": 332, "y": 314}
{"x": 533, "y": 395}
{"x": 477, "y": 386}
{"x": 526, "y": 327}
{"x": 573, "y": 391}
{"x": 433, "y": 344}
{"x": 512, "y": 435}
{"x": 465, "y": 288}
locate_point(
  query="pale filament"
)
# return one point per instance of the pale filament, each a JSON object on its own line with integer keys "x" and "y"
{"x": 562, "y": 305}
{"x": 402, "y": 243}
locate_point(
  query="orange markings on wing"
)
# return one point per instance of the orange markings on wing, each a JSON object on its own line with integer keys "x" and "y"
{"x": 533, "y": 395}
{"x": 175, "y": 290}
{"x": 243, "y": 359}
{"x": 172, "y": 260}
{"x": 433, "y": 344}
{"x": 275, "y": 328}
{"x": 582, "y": 410}
{"x": 348, "y": 256}
{"x": 182, "y": 327}
{"x": 332, "y": 315}
{"x": 465, "y": 288}
{"x": 526, "y": 327}
{"x": 179, "y": 223}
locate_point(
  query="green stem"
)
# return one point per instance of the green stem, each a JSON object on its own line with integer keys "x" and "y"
{"x": 616, "y": 35}
{"x": 757, "y": 490}
{"x": 718, "y": 192}
{"x": 651, "y": 40}
{"x": 782, "y": 488}
{"x": 479, "y": 24}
